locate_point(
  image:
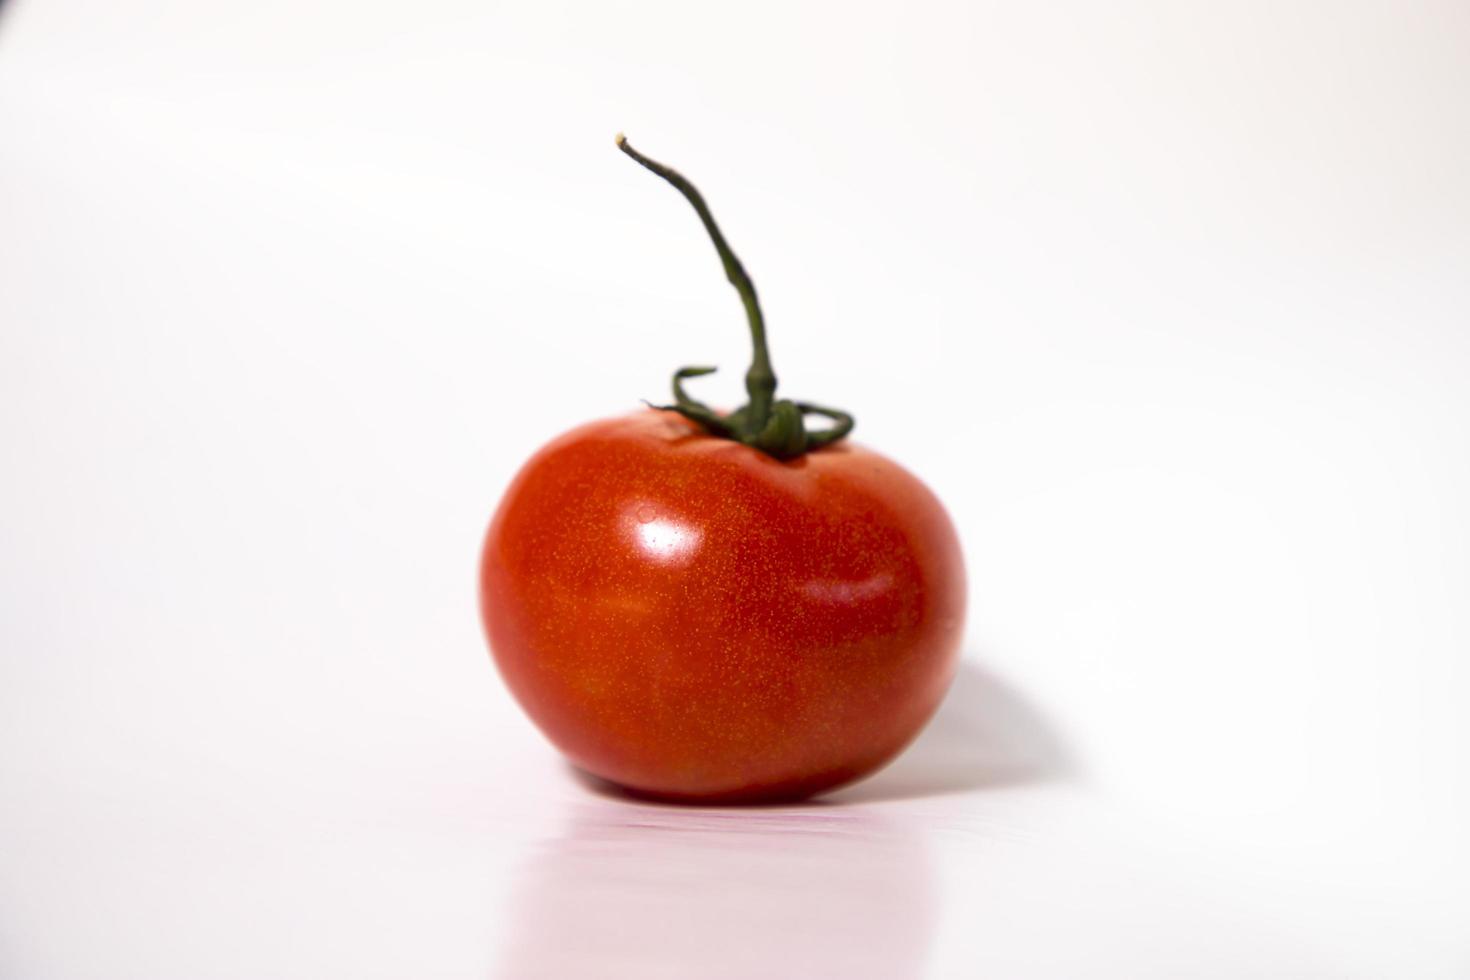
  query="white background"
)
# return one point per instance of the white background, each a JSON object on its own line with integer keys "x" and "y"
{"x": 1168, "y": 302}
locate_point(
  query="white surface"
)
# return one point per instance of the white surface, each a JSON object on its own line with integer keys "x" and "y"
{"x": 1168, "y": 303}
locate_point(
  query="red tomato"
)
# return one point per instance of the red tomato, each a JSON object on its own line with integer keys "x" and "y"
{"x": 690, "y": 618}
{"x": 708, "y": 606}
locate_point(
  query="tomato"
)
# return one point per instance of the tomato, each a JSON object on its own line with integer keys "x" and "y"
{"x": 704, "y": 606}
{"x": 691, "y": 618}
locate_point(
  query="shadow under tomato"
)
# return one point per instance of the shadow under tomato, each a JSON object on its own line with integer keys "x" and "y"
{"x": 985, "y": 735}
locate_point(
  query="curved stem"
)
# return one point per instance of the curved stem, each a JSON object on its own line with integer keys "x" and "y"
{"x": 841, "y": 424}
{"x": 760, "y": 380}
{"x": 681, "y": 397}
{"x": 695, "y": 410}
{"x": 777, "y": 428}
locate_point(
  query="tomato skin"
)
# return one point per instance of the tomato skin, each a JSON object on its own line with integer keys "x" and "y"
{"x": 692, "y": 619}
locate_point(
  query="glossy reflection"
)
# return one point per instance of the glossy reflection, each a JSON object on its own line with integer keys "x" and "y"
{"x": 842, "y": 593}
{"x": 648, "y": 891}
{"x": 662, "y": 538}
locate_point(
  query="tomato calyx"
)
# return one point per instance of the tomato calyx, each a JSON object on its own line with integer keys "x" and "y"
{"x": 774, "y": 426}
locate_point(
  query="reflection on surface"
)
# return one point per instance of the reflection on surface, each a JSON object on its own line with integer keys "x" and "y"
{"x": 648, "y": 891}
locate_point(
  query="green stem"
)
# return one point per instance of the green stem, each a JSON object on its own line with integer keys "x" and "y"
{"x": 760, "y": 380}
{"x": 771, "y": 426}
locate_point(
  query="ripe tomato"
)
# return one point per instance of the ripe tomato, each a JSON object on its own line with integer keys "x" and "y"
{"x": 689, "y": 617}
{"x": 722, "y": 607}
